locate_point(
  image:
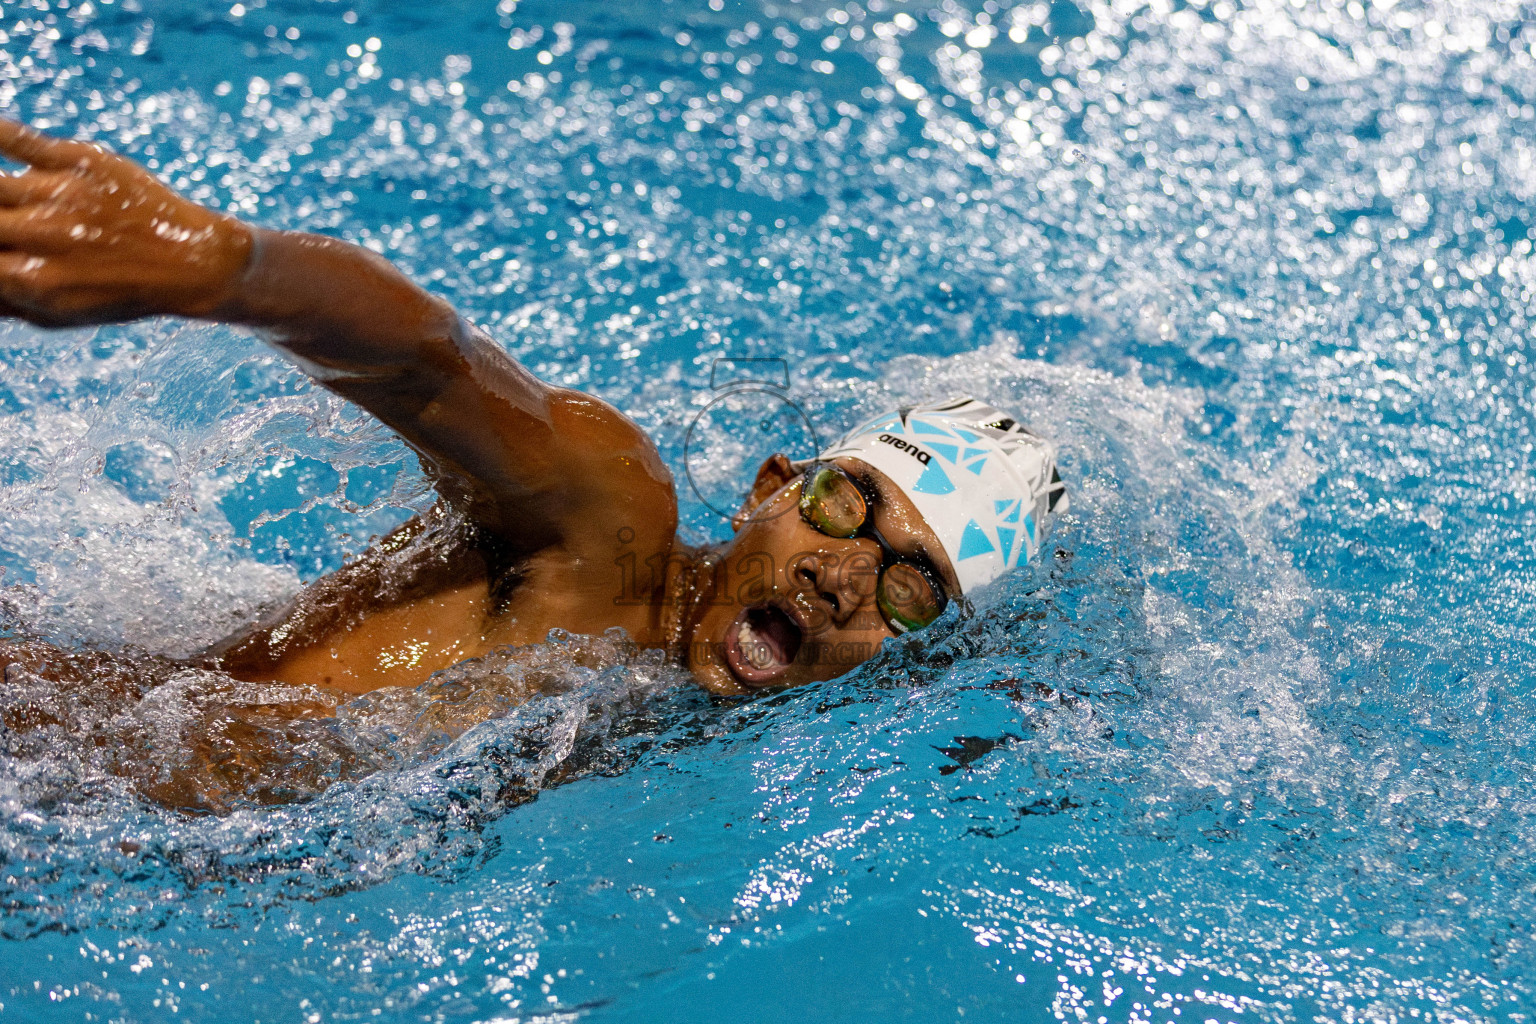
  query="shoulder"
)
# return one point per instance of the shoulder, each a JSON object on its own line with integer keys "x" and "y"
{"x": 617, "y": 484}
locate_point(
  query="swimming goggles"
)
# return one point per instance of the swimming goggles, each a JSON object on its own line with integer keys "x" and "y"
{"x": 909, "y": 593}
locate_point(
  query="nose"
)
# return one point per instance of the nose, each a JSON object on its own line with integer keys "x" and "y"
{"x": 843, "y": 576}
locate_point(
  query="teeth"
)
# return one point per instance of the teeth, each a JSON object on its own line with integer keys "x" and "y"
{"x": 753, "y": 650}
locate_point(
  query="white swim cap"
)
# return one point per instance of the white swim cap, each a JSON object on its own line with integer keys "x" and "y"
{"x": 986, "y": 486}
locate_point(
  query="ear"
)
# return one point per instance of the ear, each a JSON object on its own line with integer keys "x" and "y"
{"x": 773, "y": 474}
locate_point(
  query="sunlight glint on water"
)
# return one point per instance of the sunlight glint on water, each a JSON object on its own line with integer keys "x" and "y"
{"x": 1251, "y": 744}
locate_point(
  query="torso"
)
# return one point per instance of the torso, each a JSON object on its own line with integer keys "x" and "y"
{"x": 424, "y": 598}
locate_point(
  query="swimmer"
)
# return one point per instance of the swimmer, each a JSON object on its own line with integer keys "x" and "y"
{"x": 555, "y": 510}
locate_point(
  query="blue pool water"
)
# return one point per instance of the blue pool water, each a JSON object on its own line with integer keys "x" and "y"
{"x": 1254, "y": 743}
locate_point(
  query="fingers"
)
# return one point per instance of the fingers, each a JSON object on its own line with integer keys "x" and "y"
{"x": 35, "y": 230}
{"x": 27, "y": 187}
{"x": 20, "y": 277}
{"x": 19, "y": 271}
{"x": 14, "y": 190}
{"x": 27, "y": 146}
{"x": 40, "y": 291}
{"x": 8, "y": 310}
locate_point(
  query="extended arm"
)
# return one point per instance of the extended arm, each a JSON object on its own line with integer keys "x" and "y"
{"x": 87, "y": 237}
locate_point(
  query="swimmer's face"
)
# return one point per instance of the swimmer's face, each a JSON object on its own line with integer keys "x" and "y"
{"x": 792, "y": 605}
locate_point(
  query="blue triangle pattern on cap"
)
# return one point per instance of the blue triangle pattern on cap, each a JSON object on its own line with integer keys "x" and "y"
{"x": 1005, "y": 537}
{"x": 928, "y": 428}
{"x": 1000, "y": 505}
{"x": 934, "y": 481}
{"x": 967, "y": 434}
{"x": 1029, "y": 527}
{"x": 971, "y": 453}
{"x": 973, "y": 542}
{"x": 1013, "y": 515}
{"x": 947, "y": 452}
{"x": 977, "y": 467}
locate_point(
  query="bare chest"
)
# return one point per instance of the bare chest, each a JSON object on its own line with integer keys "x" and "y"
{"x": 354, "y": 633}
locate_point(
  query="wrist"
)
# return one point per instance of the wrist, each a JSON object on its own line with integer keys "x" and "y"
{"x": 229, "y": 258}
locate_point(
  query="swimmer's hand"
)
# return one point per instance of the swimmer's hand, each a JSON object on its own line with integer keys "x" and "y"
{"x": 89, "y": 237}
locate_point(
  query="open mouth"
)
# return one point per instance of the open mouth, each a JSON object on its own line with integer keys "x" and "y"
{"x": 762, "y": 643}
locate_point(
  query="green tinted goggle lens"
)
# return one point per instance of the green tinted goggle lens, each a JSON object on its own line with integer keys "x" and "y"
{"x": 831, "y": 502}
{"x": 906, "y": 598}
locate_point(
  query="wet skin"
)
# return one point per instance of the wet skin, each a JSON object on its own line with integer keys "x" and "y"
{"x": 825, "y": 584}
{"x": 553, "y": 503}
